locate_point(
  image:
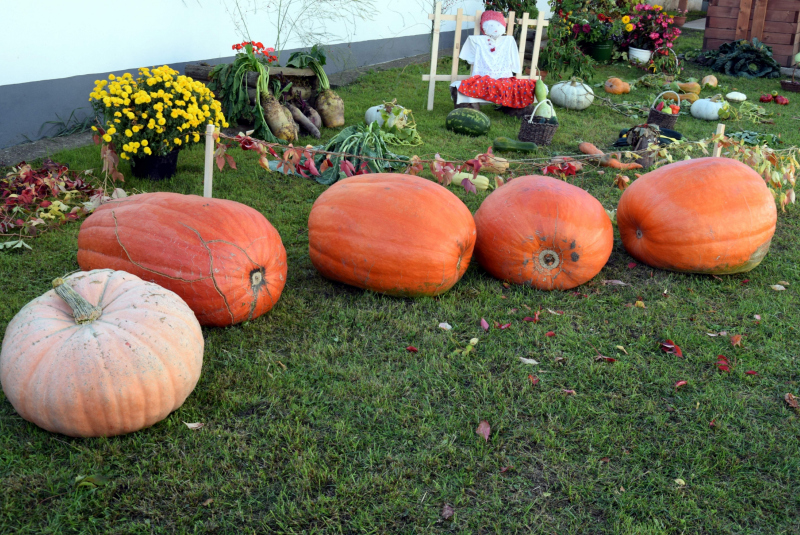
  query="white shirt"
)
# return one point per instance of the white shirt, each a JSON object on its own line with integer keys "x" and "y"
{"x": 503, "y": 62}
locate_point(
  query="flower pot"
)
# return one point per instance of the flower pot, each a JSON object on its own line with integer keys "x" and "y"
{"x": 155, "y": 167}
{"x": 600, "y": 51}
{"x": 679, "y": 21}
{"x": 638, "y": 55}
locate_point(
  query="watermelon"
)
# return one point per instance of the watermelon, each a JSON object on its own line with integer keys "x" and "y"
{"x": 467, "y": 122}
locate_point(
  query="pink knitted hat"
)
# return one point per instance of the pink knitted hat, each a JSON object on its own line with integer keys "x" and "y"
{"x": 492, "y": 15}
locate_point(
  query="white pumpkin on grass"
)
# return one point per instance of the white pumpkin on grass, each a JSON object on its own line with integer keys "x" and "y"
{"x": 736, "y": 96}
{"x": 707, "y": 108}
{"x": 572, "y": 94}
{"x": 393, "y": 112}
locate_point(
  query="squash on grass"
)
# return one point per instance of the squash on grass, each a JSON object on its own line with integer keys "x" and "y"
{"x": 615, "y": 86}
{"x": 707, "y": 215}
{"x": 390, "y": 233}
{"x": 222, "y": 257}
{"x": 572, "y": 94}
{"x": 104, "y": 353}
{"x": 542, "y": 232}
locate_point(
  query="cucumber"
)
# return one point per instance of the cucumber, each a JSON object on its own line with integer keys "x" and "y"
{"x": 505, "y": 144}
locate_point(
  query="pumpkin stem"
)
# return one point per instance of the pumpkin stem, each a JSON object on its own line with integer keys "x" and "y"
{"x": 82, "y": 310}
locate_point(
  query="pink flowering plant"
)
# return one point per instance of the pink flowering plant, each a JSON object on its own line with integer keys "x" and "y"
{"x": 650, "y": 27}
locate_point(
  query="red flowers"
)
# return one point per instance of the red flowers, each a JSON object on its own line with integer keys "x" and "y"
{"x": 257, "y": 48}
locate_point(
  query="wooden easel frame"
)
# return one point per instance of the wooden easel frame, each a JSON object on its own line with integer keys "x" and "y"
{"x": 437, "y": 17}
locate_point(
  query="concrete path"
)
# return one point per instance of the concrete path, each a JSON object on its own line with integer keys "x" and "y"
{"x": 699, "y": 24}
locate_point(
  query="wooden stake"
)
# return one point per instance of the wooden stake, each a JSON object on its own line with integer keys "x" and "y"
{"x": 457, "y": 44}
{"x": 209, "y": 165}
{"x": 437, "y": 25}
{"x": 537, "y": 43}
{"x": 523, "y": 35}
{"x": 718, "y": 146}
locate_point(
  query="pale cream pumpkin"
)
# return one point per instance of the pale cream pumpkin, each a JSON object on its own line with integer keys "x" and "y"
{"x": 104, "y": 353}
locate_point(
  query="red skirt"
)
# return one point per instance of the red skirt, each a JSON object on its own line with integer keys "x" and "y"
{"x": 511, "y": 92}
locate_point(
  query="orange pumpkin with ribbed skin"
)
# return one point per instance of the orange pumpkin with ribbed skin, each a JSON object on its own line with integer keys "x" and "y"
{"x": 709, "y": 215}
{"x": 391, "y": 233}
{"x": 116, "y": 355}
{"x": 544, "y": 233}
{"x": 222, "y": 257}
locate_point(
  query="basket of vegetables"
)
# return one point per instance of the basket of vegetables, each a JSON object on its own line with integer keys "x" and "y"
{"x": 663, "y": 112}
{"x": 540, "y": 126}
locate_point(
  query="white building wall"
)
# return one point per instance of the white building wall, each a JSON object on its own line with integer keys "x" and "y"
{"x": 51, "y": 39}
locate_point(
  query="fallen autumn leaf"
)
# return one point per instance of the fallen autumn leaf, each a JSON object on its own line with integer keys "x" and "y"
{"x": 484, "y": 324}
{"x": 736, "y": 340}
{"x": 412, "y": 349}
{"x": 196, "y": 425}
{"x": 791, "y": 400}
{"x": 447, "y": 512}
{"x": 528, "y": 361}
{"x": 550, "y": 334}
{"x": 614, "y": 283}
{"x": 534, "y": 379}
{"x": 668, "y": 346}
{"x": 484, "y": 430}
{"x": 446, "y": 326}
{"x": 777, "y": 287}
{"x": 680, "y": 384}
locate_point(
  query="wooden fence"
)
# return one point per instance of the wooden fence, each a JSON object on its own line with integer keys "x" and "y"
{"x": 775, "y": 22}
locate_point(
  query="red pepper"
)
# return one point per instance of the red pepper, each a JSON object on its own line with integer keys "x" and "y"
{"x": 780, "y": 99}
{"x": 660, "y": 106}
{"x": 766, "y": 98}
{"x": 675, "y": 108}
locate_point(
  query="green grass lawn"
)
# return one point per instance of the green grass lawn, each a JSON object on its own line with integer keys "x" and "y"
{"x": 319, "y": 421}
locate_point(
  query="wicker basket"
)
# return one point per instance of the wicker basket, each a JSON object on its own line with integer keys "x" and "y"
{"x": 791, "y": 85}
{"x": 664, "y": 120}
{"x": 539, "y": 133}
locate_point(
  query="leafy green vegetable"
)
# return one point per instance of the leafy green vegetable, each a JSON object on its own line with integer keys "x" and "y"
{"x": 749, "y": 59}
{"x": 357, "y": 140}
{"x": 315, "y": 60}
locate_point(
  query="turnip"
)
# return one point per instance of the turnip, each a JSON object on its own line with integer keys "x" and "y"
{"x": 329, "y": 105}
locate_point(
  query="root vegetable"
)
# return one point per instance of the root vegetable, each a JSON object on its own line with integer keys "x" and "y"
{"x": 331, "y": 108}
{"x": 313, "y": 116}
{"x": 607, "y": 160}
{"x": 282, "y": 127}
{"x": 303, "y": 121}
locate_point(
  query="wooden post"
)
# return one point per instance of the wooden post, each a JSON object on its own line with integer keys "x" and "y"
{"x": 717, "y": 146}
{"x": 209, "y": 165}
{"x": 509, "y": 24}
{"x": 437, "y": 26}
{"x": 743, "y": 21}
{"x": 523, "y": 34}
{"x": 457, "y": 44}
{"x": 537, "y": 43}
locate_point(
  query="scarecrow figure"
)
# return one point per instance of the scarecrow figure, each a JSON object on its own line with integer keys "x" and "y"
{"x": 495, "y": 58}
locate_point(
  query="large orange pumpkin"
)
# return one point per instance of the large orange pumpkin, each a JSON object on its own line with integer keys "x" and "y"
{"x": 222, "y": 257}
{"x": 391, "y": 233}
{"x": 543, "y": 232}
{"x": 709, "y": 215}
{"x": 104, "y": 353}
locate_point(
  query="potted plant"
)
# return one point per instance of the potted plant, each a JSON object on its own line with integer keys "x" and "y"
{"x": 597, "y": 32}
{"x": 153, "y": 116}
{"x": 680, "y": 18}
{"x": 647, "y": 29}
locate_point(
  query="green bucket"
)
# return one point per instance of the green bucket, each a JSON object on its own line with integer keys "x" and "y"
{"x": 601, "y": 51}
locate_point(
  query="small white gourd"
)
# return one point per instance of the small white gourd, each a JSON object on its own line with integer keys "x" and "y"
{"x": 735, "y": 96}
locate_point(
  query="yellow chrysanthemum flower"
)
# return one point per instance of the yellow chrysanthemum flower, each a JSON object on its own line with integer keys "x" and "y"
{"x": 107, "y": 138}
{"x": 128, "y": 132}
{"x": 626, "y": 19}
{"x": 629, "y": 27}
{"x": 147, "y": 150}
{"x": 144, "y": 143}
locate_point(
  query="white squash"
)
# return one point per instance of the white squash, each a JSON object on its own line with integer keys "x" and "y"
{"x": 572, "y": 94}
{"x": 374, "y": 114}
{"x": 735, "y": 96}
{"x": 707, "y": 108}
